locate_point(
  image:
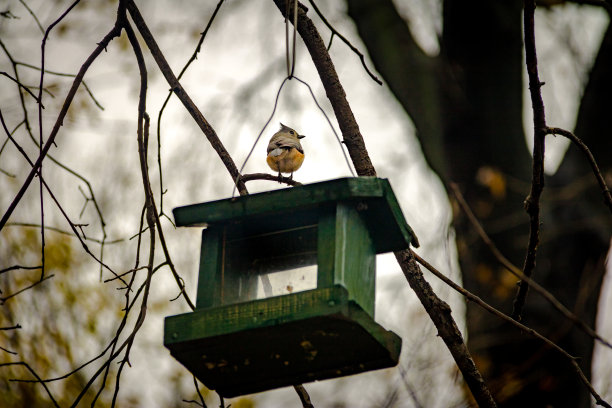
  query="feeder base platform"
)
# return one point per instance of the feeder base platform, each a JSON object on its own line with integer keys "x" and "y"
{"x": 280, "y": 341}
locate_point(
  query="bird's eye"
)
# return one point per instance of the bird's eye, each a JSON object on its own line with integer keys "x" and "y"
{"x": 291, "y": 131}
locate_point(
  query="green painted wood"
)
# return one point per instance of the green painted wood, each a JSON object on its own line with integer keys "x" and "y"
{"x": 259, "y": 313}
{"x": 346, "y": 255}
{"x": 285, "y": 208}
{"x": 277, "y": 200}
{"x": 238, "y": 345}
{"x": 326, "y": 248}
{"x": 210, "y": 263}
{"x": 355, "y": 257}
{"x": 340, "y": 339}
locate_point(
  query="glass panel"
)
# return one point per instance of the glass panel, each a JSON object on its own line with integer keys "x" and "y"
{"x": 266, "y": 265}
{"x": 286, "y": 282}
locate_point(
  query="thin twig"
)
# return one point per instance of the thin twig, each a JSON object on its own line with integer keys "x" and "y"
{"x": 14, "y": 267}
{"x": 38, "y": 380}
{"x": 59, "y": 206}
{"x": 3, "y": 299}
{"x": 270, "y": 177}
{"x": 532, "y": 202}
{"x": 22, "y": 86}
{"x": 505, "y": 262}
{"x": 112, "y": 344}
{"x": 303, "y": 395}
{"x": 9, "y": 351}
{"x": 437, "y": 309}
{"x": 177, "y": 88}
{"x": 64, "y": 232}
{"x": 40, "y": 27}
{"x": 152, "y": 213}
{"x": 64, "y": 74}
{"x": 17, "y": 326}
{"x": 347, "y": 42}
{"x": 577, "y": 141}
{"x": 473, "y": 298}
{"x": 114, "y": 32}
{"x": 195, "y": 384}
{"x": 193, "y": 57}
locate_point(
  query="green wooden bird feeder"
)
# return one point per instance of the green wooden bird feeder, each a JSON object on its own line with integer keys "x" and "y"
{"x": 286, "y": 286}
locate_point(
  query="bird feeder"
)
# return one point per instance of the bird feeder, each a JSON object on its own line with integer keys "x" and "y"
{"x": 286, "y": 286}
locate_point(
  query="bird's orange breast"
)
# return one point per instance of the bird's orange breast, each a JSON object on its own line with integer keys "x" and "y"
{"x": 286, "y": 162}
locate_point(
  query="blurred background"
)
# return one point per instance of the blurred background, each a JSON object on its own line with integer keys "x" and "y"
{"x": 71, "y": 318}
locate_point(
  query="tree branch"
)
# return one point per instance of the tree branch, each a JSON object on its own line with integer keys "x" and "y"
{"x": 266, "y": 176}
{"x": 437, "y": 309}
{"x": 193, "y": 57}
{"x": 177, "y": 88}
{"x": 505, "y": 262}
{"x": 532, "y": 202}
{"x": 38, "y": 379}
{"x": 347, "y": 42}
{"x": 335, "y": 92}
{"x": 470, "y": 296}
{"x": 600, "y": 179}
{"x": 303, "y": 395}
{"x": 114, "y": 32}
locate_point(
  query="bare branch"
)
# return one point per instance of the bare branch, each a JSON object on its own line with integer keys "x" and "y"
{"x": 3, "y": 299}
{"x": 17, "y": 326}
{"x": 14, "y": 267}
{"x": 40, "y": 27}
{"x": 304, "y": 397}
{"x": 114, "y": 32}
{"x": 532, "y": 202}
{"x": 193, "y": 57}
{"x": 351, "y": 134}
{"x": 266, "y": 176}
{"x": 9, "y": 351}
{"x": 505, "y": 262}
{"x": 22, "y": 86}
{"x": 72, "y": 225}
{"x": 577, "y": 141}
{"x": 437, "y": 309}
{"x": 38, "y": 380}
{"x": 177, "y": 88}
{"x": 63, "y": 74}
{"x": 347, "y": 42}
{"x": 64, "y": 232}
{"x": 473, "y": 298}
{"x": 195, "y": 384}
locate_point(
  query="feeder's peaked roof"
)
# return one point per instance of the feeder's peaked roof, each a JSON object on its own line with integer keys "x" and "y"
{"x": 373, "y": 197}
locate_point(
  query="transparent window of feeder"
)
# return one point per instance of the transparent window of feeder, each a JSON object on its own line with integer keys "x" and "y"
{"x": 268, "y": 265}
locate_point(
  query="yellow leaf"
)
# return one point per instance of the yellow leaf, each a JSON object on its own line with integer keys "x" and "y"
{"x": 244, "y": 403}
{"x": 494, "y": 180}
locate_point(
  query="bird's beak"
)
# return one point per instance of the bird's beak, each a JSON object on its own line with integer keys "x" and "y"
{"x": 301, "y": 136}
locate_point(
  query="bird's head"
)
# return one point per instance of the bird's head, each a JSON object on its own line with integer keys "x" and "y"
{"x": 291, "y": 132}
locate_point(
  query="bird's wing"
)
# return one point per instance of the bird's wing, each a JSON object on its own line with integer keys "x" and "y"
{"x": 282, "y": 141}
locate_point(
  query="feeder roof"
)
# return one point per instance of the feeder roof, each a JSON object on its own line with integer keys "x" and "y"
{"x": 289, "y": 207}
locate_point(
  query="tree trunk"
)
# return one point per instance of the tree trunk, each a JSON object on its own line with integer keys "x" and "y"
{"x": 466, "y": 105}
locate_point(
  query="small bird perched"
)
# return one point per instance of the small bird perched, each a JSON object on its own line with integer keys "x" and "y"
{"x": 285, "y": 153}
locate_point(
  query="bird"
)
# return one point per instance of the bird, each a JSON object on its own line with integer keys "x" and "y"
{"x": 285, "y": 153}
